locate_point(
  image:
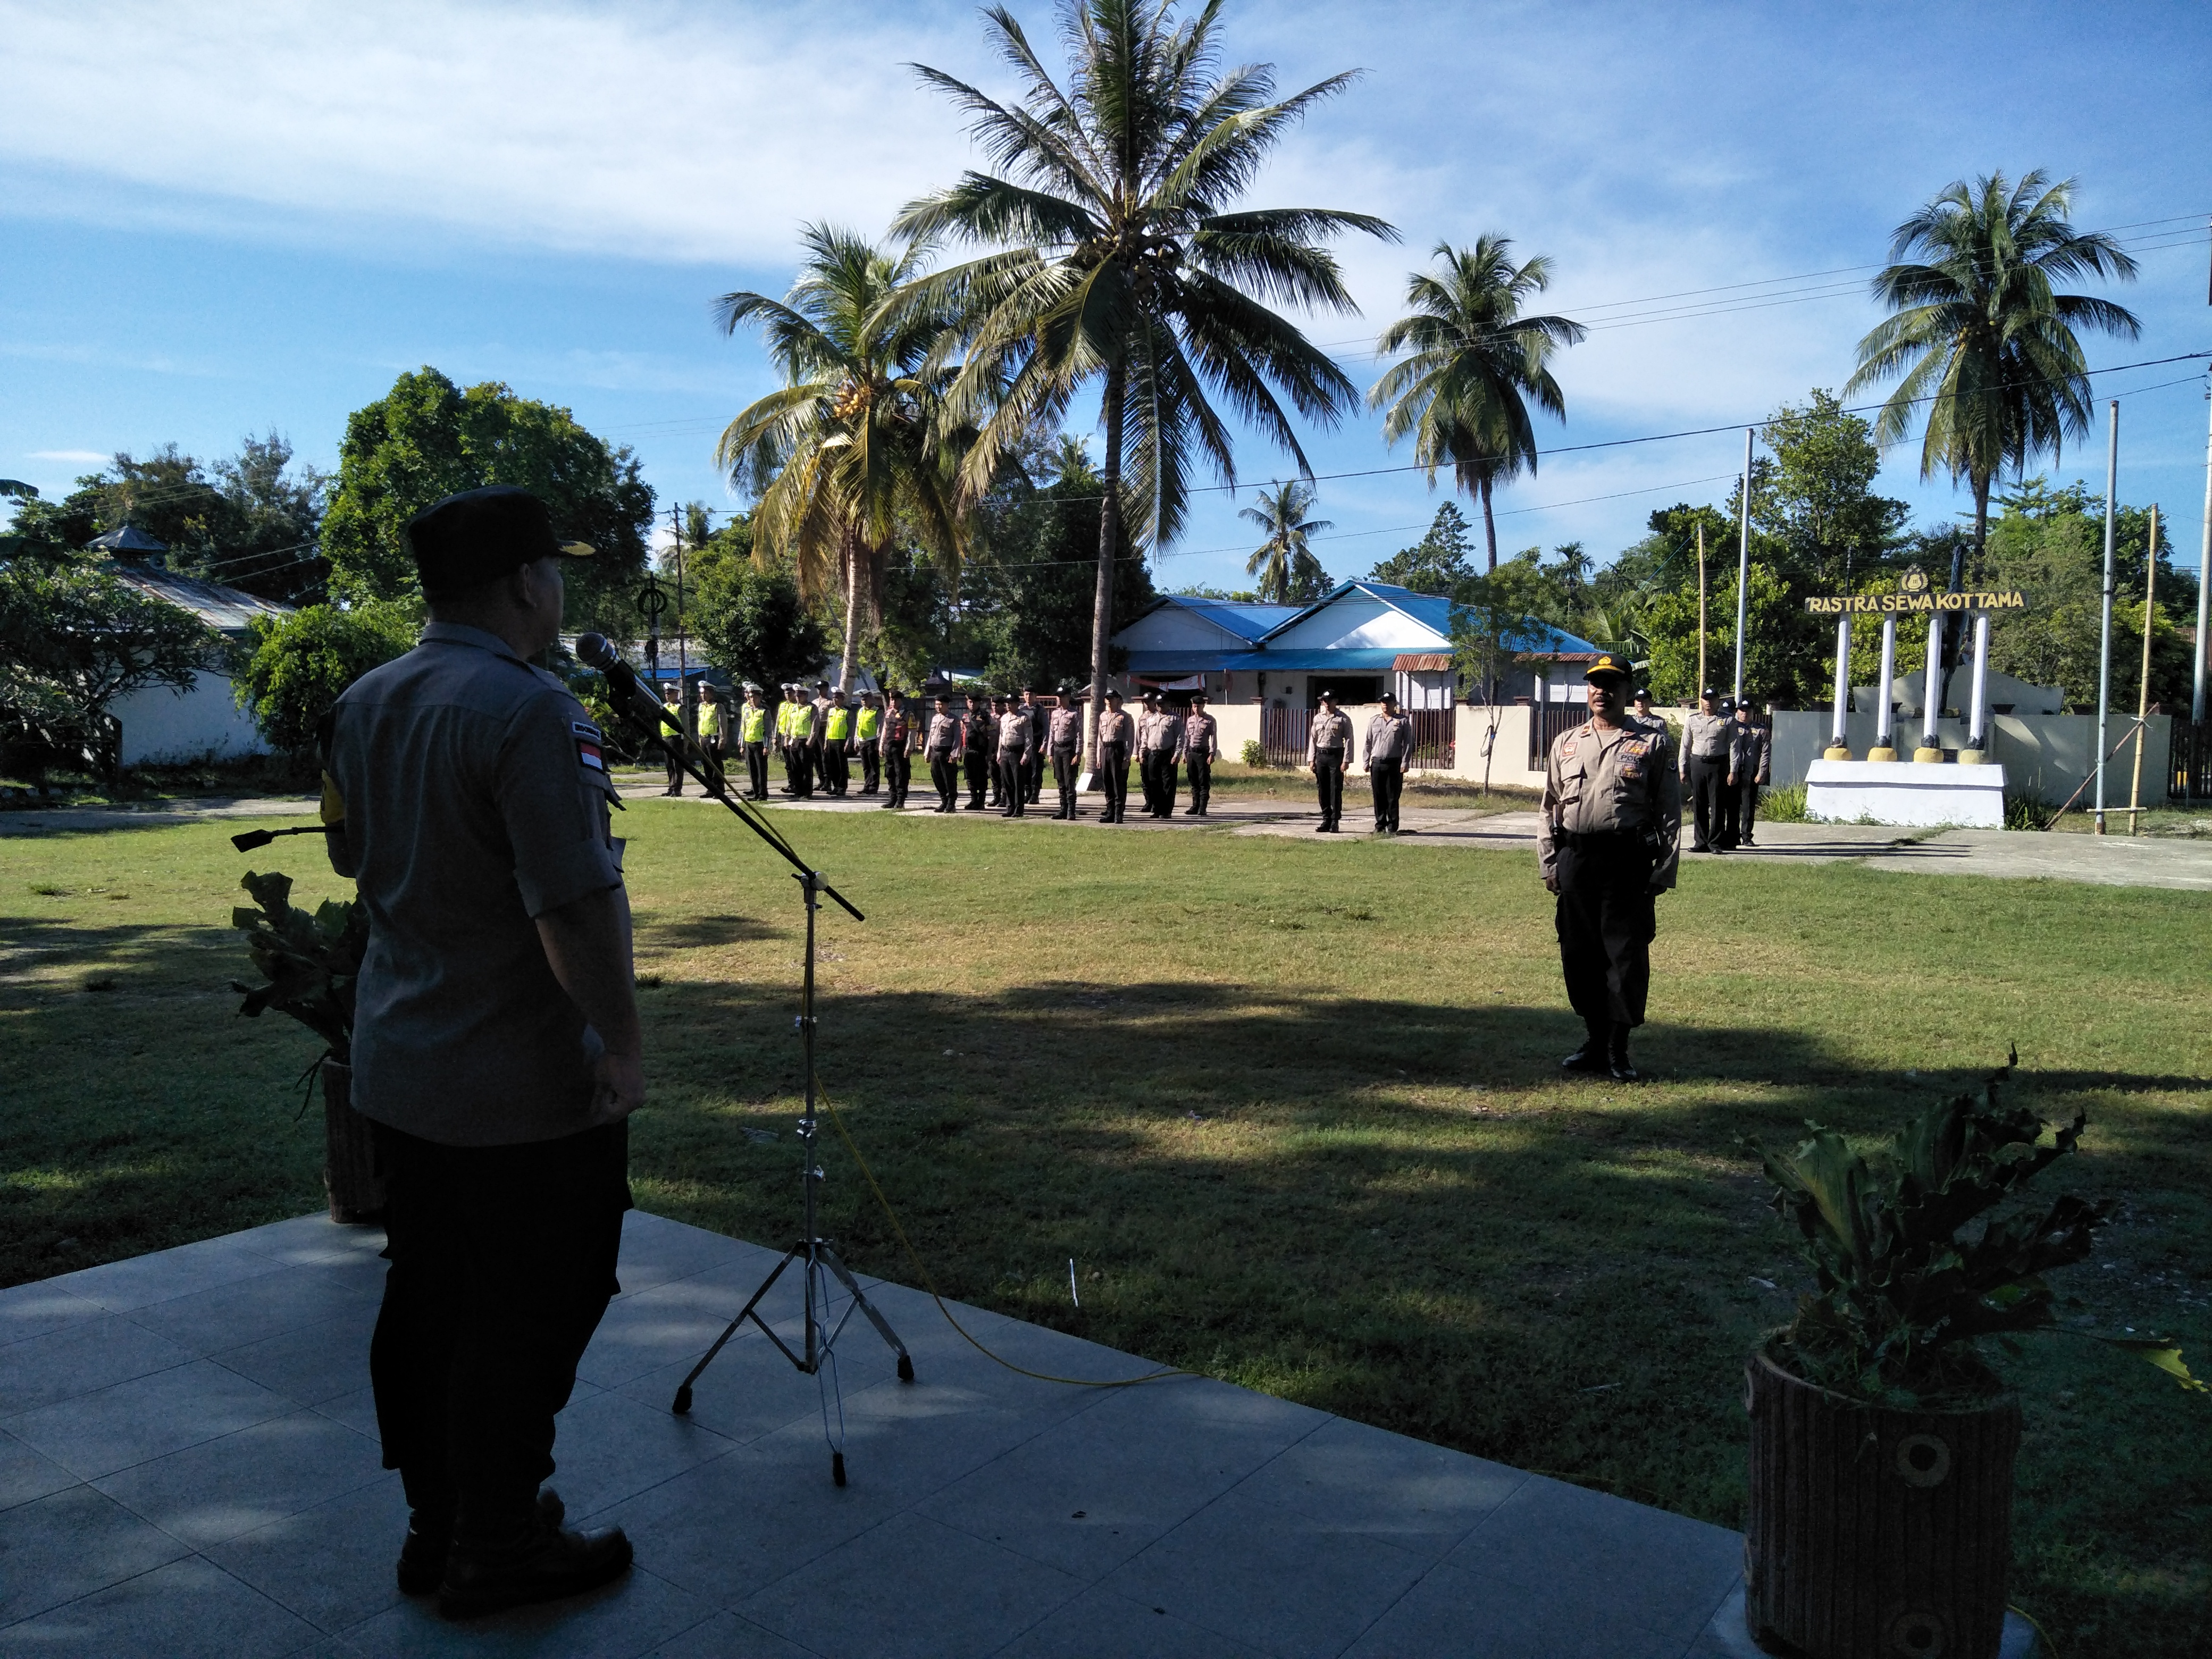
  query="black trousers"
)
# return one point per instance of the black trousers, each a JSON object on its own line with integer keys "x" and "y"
{"x": 502, "y": 1261}
{"x": 1013, "y": 780}
{"x": 1329, "y": 783}
{"x": 979, "y": 774}
{"x": 1746, "y": 811}
{"x": 1114, "y": 779}
{"x": 1387, "y": 779}
{"x": 897, "y": 767}
{"x": 1202, "y": 781}
{"x": 1708, "y": 813}
{"x": 1606, "y": 922}
{"x": 836, "y": 770}
{"x": 757, "y": 769}
{"x": 1064, "y": 775}
{"x": 1033, "y": 774}
{"x": 675, "y": 768}
{"x": 1148, "y": 780}
{"x": 1166, "y": 776}
{"x": 794, "y": 769}
{"x": 945, "y": 778}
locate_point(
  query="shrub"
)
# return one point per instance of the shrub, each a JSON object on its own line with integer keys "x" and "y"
{"x": 1783, "y": 806}
{"x": 299, "y": 664}
{"x": 1252, "y": 753}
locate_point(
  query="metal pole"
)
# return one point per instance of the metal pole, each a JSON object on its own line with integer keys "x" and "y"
{"x": 1743, "y": 566}
{"x": 682, "y": 661}
{"x": 1839, "y": 735}
{"x": 1702, "y": 681}
{"x": 2143, "y": 698}
{"x": 2203, "y": 583}
{"x": 1931, "y": 689}
{"x": 2105, "y": 629}
{"x": 1978, "y": 732}
{"x": 1884, "y": 724}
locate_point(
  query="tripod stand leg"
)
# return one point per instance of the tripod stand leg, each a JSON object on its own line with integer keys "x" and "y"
{"x": 683, "y": 1402}
{"x": 836, "y": 1266}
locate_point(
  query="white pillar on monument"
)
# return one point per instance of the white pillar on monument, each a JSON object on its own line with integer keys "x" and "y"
{"x": 1885, "y": 724}
{"x": 1839, "y": 745}
{"x": 1931, "y": 694}
{"x": 1977, "y": 718}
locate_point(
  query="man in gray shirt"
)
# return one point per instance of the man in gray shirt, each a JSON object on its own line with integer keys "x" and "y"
{"x": 496, "y": 1049}
{"x": 1389, "y": 746}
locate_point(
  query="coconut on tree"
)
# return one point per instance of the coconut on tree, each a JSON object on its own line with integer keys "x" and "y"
{"x": 1121, "y": 261}
{"x": 1981, "y": 335}
{"x": 1289, "y": 573}
{"x": 850, "y": 453}
{"x": 1475, "y": 363}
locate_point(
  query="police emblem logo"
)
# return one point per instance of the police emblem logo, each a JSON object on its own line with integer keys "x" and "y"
{"x": 590, "y": 745}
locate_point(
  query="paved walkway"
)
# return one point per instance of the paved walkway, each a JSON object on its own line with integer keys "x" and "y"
{"x": 189, "y": 1466}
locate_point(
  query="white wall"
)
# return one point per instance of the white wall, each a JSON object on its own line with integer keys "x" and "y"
{"x": 159, "y": 724}
{"x": 2044, "y": 756}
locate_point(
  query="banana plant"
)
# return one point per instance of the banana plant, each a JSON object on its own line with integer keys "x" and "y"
{"x": 308, "y": 961}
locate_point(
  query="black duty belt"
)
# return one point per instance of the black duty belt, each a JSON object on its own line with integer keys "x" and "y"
{"x": 1595, "y": 837}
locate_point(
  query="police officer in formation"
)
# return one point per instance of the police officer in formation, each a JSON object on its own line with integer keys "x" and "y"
{"x": 1704, "y": 770}
{"x": 1158, "y": 732}
{"x": 797, "y": 726}
{"x": 1388, "y": 746}
{"x": 978, "y": 738}
{"x": 1016, "y": 743}
{"x": 1607, "y": 846}
{"x": 940, "y": 747}
{"x": 867, "y": 727}
{"x": 1328, "y": 740}
{"x": 752, "y": 736}
{"x": 837, "y": 744}
{"x": 1197, "y": 746}
{"x": 1751, "y": 756}
{"x": 1064, "y": 736}
{"x": 1037, "y": 705}
{"x": 888, "y": 750}
{"x": 1117, "y": 735}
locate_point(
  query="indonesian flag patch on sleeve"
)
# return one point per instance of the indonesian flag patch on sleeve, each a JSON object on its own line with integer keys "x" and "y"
{"x": 589, "y": 739}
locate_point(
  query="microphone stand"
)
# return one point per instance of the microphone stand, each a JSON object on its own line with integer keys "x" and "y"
{"x": 818, "y": 1259}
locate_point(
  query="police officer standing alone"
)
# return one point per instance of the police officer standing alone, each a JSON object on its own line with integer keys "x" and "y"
{"x": 1751, "y": 756}
{"x": 1328, "y": 738}
{"x": 1612, "y": 820}
{"x": 941, "y": 748}
{"x": 1064, "y": 733}
{"x": 1704, "y": 770}
{"x": 497, "y": 1050}
{"x": 1116, "y": 732}
{"x": 1199, "y": 745}
{"x": 1016, "y": 738}
{"x": 752, "y": 729}
{"x": 1389, "y": 746}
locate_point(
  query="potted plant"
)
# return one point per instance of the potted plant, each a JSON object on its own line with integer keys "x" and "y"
{"x": 1882, "y": 1440}
{"x": 309, "y": 964}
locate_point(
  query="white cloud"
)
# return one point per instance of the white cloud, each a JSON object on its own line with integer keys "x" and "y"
{"x": 69, "y": 455}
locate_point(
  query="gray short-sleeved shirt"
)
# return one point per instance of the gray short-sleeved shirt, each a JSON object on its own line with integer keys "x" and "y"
{"x": 477, "y": 799}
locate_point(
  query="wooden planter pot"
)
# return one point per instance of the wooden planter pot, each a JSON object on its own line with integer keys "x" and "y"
{"x": 349, "y": 1159}
{"x": 1876, "y": 1533}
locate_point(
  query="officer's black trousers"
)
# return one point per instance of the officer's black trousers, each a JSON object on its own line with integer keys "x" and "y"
{"x": 1386, "y": 779}
{"x": 794, "y": 769}
{"x": 1746, "y": 810}
{"x": 1170, "y": 776}
{"x": 1064, "y": 775}
{"x": 898, "y": 767}
{"x": 1114, "y": 779}
{"x": 837, "y": 770}
{"x": 1328, "y": 782}
{"x": 1708, "y": 783}
{"x": 1606, "y": 920}
{"x": 757, "y": 769}
{"x": 870, "y": 769}
{"x": 502, "y": 1261}
{"x": 1202, "y": 781}
{"x": 979, "y": 774}
{"x": 1013, "y": 780}
{"x": 1033, "y": 774}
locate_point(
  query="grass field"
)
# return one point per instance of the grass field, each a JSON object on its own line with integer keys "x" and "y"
{"x": 1291, "y": 1106}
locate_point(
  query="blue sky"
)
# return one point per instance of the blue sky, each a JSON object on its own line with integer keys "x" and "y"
{"x": 225, "y": 219}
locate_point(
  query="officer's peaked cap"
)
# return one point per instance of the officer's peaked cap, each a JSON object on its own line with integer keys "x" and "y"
{"x": 478, "y": 535}
{"x": 1607, "y": 666}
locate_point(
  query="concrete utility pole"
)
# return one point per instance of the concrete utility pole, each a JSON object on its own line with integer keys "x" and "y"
{"x": 2104, "y": 631}
{"x": 2142, "y": 697}
{"x": 1702, "y": 681}
{"x": 2204, "y": 582}
{"x": 1743, "y": 567}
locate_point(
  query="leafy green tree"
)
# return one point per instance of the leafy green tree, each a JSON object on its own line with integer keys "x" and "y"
{"x": 753, "y": 623}
{"x": 74, "y": 639}
{"x": 1982, "y": 337}
{"x": 1436, "y": 563}
{"x": 850, "y": 450}
{"x": 1476, "y": 365}
{"x": 1122, "y": 259}
{"x": 1492, "y": 632}
{"x": 428, "y": 438}
{"x": 1778, "y": 665}
{"x": 1289, "y": 573}
{"x": 1818, "y": 507}
{"x": 296, "y": 665}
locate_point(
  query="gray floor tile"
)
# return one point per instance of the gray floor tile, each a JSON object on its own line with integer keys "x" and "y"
{"x": 630, "y": 1617}
{"x": 26, "y": 1476}
{"x": 332, "y": 1564}
{"x": 670, "y": 1324}
{"x": 252, "y": 1309}
{"x": 314, "y": 1364}
{"x": 147, "y": 1417}
{"x": 189, "y": 1609}
{"x": 1421, "y": 1497}
{"x": 1290, "y": 1584}
{"x": 221, "y": 1488}
{"x": 142, "y": 1280}
{"x": 1092, "y": 1491}
{"x": 1100, "y": 1624}
{"x": 1452, "y": 1614}
{"x": 725, "y": 1635}
{"x": 608, "y": 1447}
{"x": 35, "y": 1308}
{"x": 1665, "y": 1570}
{"x": 909, "y": 1589}
{"x": 82, "y": 1356}
{"x": 749, "y": 1391}
{"x": 655, "y": 1251}
{"x": 69, "y": 1545}
{"x": 308, "y": 1240}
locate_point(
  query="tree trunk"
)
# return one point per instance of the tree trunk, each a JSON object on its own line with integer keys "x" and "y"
{"x": 854, "y": 610}
{"x": 1489, "y": 527}
{"x": 1109, "y": 536}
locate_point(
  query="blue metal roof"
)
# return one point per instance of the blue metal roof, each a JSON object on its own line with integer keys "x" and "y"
{"x": 1246, "y": 620}
{"x": 1366, "y": 660}
{"x": 1185, "y": 662}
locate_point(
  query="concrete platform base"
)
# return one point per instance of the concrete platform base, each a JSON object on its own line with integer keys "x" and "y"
{"x": 1919, "y": 794}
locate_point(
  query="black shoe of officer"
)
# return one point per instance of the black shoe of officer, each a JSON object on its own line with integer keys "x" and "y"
{"x": 1616, "y": 1057}
{"x": 543, "y": 1562}
{"x": 1592, "y": 1056}
{"x": 422, "y": 1557}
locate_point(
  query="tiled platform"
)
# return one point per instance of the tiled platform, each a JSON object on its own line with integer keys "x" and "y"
{"x": 188, "y": 1465}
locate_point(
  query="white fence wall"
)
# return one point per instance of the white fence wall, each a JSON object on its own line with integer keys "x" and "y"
{"x": 159, "y": 724}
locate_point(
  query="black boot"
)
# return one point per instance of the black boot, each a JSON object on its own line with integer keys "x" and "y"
{"x": 1617, "y": 1056}
{"x": 1592, "y": 1056}
{"x": 539, "y": 1561}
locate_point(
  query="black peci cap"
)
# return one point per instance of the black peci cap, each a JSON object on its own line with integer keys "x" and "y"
{"x": 478, "y": 535}
{"x": 1607, "y": 666}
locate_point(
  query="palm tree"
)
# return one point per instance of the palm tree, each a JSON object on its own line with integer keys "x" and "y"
{"x": 850, "y": 452}
{"x": 1285, "y": 567}
{"x": 1122, "y": 260}
{"x": 1980, "y": 335}
{"x": 1476, "y": 361}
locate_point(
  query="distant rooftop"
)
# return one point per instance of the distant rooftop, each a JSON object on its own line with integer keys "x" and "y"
{"x": 226, "y": 610}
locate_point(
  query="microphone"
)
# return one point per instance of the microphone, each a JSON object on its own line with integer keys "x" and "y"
{"x": 628, "y": 697}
